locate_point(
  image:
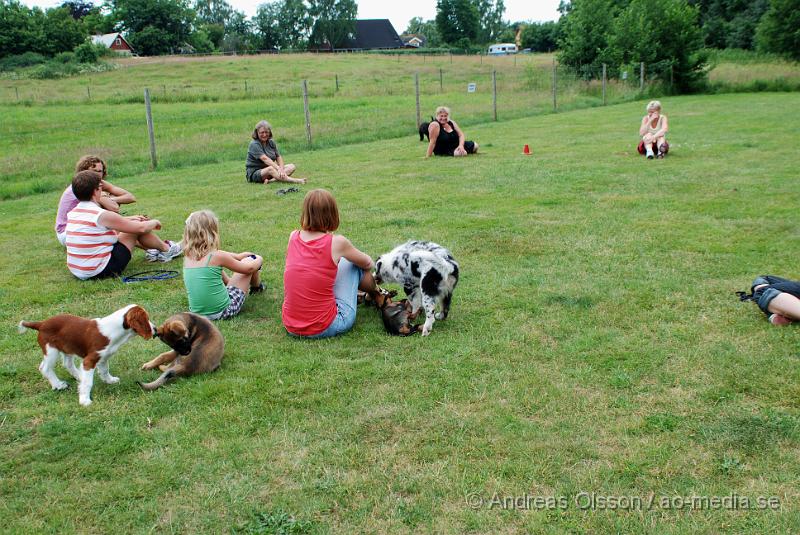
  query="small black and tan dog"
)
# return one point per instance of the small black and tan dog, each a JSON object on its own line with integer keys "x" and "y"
{"x": 397, "y": 317}
{"x": 197, "y": 347}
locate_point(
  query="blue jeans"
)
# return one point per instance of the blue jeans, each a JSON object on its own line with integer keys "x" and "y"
{"x": 345, "y": 291}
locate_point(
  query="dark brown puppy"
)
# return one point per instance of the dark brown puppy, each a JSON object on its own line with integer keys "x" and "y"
{"x": 197, "y": 347}
{"x": 397, "y": 317}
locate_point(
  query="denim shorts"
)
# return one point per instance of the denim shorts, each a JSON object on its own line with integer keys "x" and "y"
{"x": 763, "y": 296}
{"x": 345, "y": 291}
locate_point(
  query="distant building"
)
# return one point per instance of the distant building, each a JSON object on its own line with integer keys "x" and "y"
{"x": 374, "y": 34}
{"x": 114, "y": 41}
{"x": 413, "y": 40}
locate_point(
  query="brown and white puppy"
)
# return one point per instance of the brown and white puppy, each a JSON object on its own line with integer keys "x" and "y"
{"x": 93, "y": 340}
{"x": 197, "y": 347}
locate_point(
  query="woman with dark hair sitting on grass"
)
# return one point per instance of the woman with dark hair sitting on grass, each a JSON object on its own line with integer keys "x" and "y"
{"x": 264, "y": 160}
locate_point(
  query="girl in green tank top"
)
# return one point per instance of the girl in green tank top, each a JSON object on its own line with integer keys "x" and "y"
{"x": 211, "y": 291}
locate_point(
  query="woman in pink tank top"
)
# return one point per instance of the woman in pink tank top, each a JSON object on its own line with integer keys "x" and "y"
{"x": 323, "y": 273}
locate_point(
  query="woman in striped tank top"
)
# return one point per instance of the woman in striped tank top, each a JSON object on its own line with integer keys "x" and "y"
{"x": 99, "y": 242}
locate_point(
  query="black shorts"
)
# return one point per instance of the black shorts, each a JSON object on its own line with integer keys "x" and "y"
{"x": 254, "y": 175}
{"x": 120, "y": 257}
{"x": 469, "y": 146}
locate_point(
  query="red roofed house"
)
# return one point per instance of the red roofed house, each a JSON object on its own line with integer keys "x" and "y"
{"x": 114, "y": 41}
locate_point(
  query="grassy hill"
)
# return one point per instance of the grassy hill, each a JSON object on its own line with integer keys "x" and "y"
{"x": 595, "y": 348}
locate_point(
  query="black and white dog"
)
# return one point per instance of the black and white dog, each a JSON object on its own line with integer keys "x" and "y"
{"x": 428, "y": 273}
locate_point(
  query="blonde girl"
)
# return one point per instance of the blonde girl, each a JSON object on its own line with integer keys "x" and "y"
{"x": 212, "y": 292}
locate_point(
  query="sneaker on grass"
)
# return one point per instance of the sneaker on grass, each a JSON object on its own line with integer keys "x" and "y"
{"x": 154, "y": 255}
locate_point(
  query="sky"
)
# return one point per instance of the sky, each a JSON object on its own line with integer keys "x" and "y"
{"x": 399, "y": 12}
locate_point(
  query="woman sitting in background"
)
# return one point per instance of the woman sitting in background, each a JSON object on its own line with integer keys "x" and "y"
{"x": 446, "y": 138}
{"x": 264, "y": 160}
{"x": 653, "y": 131}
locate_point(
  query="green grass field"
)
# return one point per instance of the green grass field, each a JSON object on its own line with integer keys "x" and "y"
{"x": 595, "y": 346}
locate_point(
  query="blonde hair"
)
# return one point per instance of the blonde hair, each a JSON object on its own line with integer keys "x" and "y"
{"x": 201, "y": 234}
{"x": 87, "y": 162}
{"x": 320, "y": 213}
{"x": 442, "y": 108}
{"x": 653, "y": 105}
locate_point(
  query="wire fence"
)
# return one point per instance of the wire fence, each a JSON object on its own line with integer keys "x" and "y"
{"x": 438, "y": 73}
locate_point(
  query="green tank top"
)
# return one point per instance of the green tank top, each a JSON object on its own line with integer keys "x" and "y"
{"x": 207, "y": 293}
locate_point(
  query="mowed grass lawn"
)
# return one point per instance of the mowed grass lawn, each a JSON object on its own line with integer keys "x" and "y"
{"x": 595, "y": 346}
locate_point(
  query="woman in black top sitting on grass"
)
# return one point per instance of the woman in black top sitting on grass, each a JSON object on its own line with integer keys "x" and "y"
{"x": 446, "y": 138}
{"x": 264, "y": 161}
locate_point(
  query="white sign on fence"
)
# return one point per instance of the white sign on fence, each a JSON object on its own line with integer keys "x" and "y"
{"x": 471, "y": 87}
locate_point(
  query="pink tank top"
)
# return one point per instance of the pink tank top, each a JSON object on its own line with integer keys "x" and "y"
{"x": 308, "y": 302}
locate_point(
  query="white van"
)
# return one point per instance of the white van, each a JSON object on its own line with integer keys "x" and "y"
{"x": 501, "y": 49}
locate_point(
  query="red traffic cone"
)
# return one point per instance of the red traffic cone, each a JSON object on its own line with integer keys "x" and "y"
{"x": 526, "y": 150}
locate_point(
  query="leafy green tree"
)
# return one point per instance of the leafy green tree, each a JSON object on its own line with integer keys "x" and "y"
{"x": 213, "y": 11}
{"x": 490, "y": 19}
{"x": 239, "y": 34}
{"x": 214, "y": 32}
{"x": 333, "y": 22}
{"x": 666, "y": 36}
{"x": 457, "y": 22}
{"x": 201, "y": 41}
{"x": 426, "y": 28}
{"x": 779, "y": 29}
{"x": 18, "y": 31}
{"x": 98, "y": 23}
{"x": 587, "y": 26}
{"x": 87, "y": 53}
{"x": 267, "y": 27}
{"x": 154, "y": 26}
{"x": 540, "y": 36}
{"x": 282, "y": 24}
{"x": 730, "y": 23}
{"x": 61, "y": 31}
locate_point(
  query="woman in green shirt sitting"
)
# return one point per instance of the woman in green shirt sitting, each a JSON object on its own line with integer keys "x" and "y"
{"x": 212, "y": 292}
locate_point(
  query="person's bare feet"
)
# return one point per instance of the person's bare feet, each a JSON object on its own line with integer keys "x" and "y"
{"x": 270, "y": 181}
{"x": 299, "y": 180}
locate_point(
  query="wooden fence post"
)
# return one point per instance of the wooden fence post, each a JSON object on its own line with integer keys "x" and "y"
{"x": 416, "y": 88}
{"x": 641, "y": 76}
{"x": 441, "y": 83}
{"x": 88, "y": 93}
{"x": 604, "y": 84}
{"x": 149, "y": 113}
{"x": 494, "y": 94}
{"x": 308, "y": 115}
{"x": 337, "y": 83}
{"x": 555, "y": 85}
{"x": 245, "y": 86}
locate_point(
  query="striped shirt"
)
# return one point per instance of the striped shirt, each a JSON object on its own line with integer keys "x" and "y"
{"x": 89, "y": 243}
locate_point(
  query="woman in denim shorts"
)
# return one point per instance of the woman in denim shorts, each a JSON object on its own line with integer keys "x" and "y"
{"x": 778, "y": 298}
